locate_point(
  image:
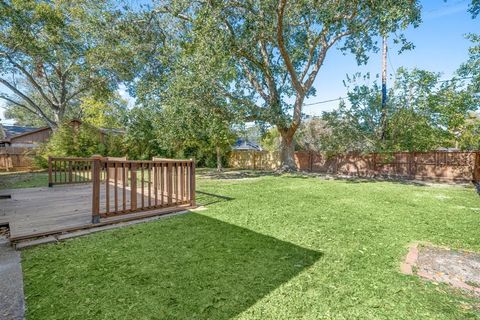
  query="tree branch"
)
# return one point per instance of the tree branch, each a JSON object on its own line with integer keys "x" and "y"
{"x": 283, "y": 50}
{"x": 254, "y": 82}
{"x": 32, "y": 81}
{"x": 28, "y": 100}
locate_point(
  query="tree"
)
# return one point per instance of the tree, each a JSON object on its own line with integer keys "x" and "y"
{"x": 142, "y": 133}
{"x": 108, "y": 112}
{"x": 53, "y": 53}
{"x": 425, "y": 113}
{"x": 197, "y": 115}
{"x": 278, "y": 47}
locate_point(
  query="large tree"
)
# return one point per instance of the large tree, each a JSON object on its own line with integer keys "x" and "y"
{"x": 53, "y": 53}
{"x": 425, "y": 113}
{"x": 278, "y": 47}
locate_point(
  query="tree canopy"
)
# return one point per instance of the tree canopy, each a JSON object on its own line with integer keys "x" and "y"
{"x": 277, "y": 48}
{"x": 54, "y": 53}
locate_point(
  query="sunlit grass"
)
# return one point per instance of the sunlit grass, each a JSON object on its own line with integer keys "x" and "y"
{"x": 273, "y": 248}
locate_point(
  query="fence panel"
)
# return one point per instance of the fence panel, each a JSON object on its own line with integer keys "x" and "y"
{"x": 15, "y": 158}
{"x": 435, "y": 165}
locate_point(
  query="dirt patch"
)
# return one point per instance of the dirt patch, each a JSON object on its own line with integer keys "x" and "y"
{"x": 460, "y": 269}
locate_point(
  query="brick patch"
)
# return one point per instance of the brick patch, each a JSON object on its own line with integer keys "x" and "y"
{"x": 460, "y": 269}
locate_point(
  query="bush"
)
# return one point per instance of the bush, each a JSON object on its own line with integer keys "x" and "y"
{"x": 79, "y": 141}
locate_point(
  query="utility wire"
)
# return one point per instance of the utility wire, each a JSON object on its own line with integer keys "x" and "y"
{"x": 332, "y": 100}
{"x": 324, "y": 101}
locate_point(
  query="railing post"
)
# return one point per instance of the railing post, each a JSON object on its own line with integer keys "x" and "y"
{"x": 133, "y": 186}
{"x": 96, "y": 171}
{"x": 192, "y": 184}
{"x": 50, "y": 172}
{"x": 169, "y": 183}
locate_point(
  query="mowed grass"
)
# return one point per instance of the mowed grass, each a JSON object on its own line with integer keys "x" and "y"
{"x": 266, "y": 248}
{"x": 14, "y": 180}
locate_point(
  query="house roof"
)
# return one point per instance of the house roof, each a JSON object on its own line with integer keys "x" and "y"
{"x": 12, "y": 131}
{"x": 243, "y": 144}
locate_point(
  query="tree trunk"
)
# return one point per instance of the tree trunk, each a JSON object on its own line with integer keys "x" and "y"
{"x": 58, "y": 116}
{"x": 287, "y": 149}
{"x": 219, "y": 159}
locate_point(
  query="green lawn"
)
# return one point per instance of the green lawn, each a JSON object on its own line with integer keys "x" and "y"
{"x": 14, "y": 180}
{"x": 285, "y": 247}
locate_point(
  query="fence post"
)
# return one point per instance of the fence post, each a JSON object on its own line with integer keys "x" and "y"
{"x": 133, "y": 186}
{"x": 192, "y": 184}
{"x": 96, "y": 171}
{"x": 50, "y": 182}
{"x": 476, "y": 163}
{"x": 310, "y": 159}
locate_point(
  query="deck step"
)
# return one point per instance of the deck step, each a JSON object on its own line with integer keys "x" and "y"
{"x": 105, "y": 224}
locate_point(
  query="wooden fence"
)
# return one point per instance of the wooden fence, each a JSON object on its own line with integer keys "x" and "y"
{"x": 15, "y": 158}
{"x": 435, "y": 165}
{"x": 121, "y": 186}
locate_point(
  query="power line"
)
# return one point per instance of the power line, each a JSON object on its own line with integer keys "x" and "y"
{"x": 337, "y": 99}
{"x": 324, "y": 101}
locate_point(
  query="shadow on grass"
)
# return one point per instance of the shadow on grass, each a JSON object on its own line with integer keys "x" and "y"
{"x": 206, "y": 198}
{"x": 187, "y": 267}
{"x": 235, "y": 174}
{"x": 356, "y": 180}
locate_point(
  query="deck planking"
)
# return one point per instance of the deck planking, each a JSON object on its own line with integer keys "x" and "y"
{"x": 32, "y": 211}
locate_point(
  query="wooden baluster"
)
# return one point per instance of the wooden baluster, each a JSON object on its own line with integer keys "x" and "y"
{"x": 133, "y": 186}
{"x": 155, "y": 183}
{"x": 175, "y": 181}
{"x": 182, "y": 181}
{"x": 70, "y": 176}
{"x": 124, "y": 189}
{"x": 149, "y": 184}
{"x": 162, "y": 183}
{"x": 96, "y": 189}
{"x": 169, "y": 183}
{"x": 107, "y": 188}
{"x": 192, "y": 184}
{"x": 84, "y": 170}
{"x": 143, "y": 187}
{"x": 50, "y": 182}
{"x": 115, "y": 174}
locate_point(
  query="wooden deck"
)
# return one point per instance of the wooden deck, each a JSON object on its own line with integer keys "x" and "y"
{"x": 33, "y": 212}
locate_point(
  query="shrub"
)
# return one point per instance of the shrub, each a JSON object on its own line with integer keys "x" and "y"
{"x": 79, "y": 141}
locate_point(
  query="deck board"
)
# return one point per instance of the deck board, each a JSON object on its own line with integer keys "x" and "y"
{"x": 37, "y": 210}
{"x": 42, "y": 210}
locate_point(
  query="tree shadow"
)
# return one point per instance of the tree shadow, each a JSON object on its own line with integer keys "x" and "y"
{"x": 187, "y": 267}
{"x": 206, "y": 198}
{"x": 236, "y": 174}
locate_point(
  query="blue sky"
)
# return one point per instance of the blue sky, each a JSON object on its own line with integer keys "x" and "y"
{"x": 440, "y": 46}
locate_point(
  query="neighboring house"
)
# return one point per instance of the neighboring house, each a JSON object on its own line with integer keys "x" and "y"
{"x": 17, "y": 143}
{"x": 245, "y": 145}
{"x": 30, "y": 137}
{"x": 25, "y": 137}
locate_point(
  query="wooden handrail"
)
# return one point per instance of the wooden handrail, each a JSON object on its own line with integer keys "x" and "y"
{"x": 122, "y": 186}
{"x": 139, "y": 185}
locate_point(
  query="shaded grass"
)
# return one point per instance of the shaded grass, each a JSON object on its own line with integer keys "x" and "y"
{"x": 271, "y": 248}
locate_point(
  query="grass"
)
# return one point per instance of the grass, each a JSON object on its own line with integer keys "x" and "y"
{"x": 267, "y": 247}
{"x": 15, "y": 180}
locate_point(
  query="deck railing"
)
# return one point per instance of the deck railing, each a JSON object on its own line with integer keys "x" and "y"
{"x": 138, "y": 185}
{"x": 122, "y": 186}
{"x": 69, "y": 170}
